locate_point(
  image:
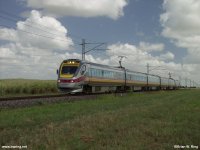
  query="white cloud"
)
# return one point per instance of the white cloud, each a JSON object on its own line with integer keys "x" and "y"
{"x": 87, "y": 8}
{"x": 137, "y": 60}
{"x": 36, "y": 45}
{"x": 46, "y": 33}
{"x": 181, "y": 23}
{"x": 135, "y": 56}
{"x": 151, "y": 47}
{"x": 167, "y": 56}
{"x": 38, "y": 31}
{"x": 28, "y": 55}
{"x": 6, "y": 53}
{"x": 8, "y": 34}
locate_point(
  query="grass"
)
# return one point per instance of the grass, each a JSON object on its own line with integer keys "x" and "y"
{"x": 19, "y": 87}
{"x": 157, "y": 120}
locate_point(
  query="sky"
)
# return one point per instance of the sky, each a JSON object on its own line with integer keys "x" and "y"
{"x": 37, "y": 35}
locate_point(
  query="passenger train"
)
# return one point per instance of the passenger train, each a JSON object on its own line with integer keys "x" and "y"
{"x": 77, "y": 76}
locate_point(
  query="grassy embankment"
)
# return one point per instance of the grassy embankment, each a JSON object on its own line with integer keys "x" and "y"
{"x": 157, "y": 120}
{"x": 20, "y": 87}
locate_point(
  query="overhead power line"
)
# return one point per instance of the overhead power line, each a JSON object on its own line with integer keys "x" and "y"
{"x": 48, "y": 36}
{"x": 31, "y": 26}
{"x": 42, "y": 27}
{"x": 47, "y": 31}
{"x": 36, "y": 34}
{"x": 13, "y": 17}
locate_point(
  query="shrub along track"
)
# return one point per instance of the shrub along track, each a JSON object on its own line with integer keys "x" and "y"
{"x": 14, "y": 102}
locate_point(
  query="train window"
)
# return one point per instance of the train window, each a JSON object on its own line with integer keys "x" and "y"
{"x": 99, "y": 73}
{"x": 105, "y": 74}
{"x": 96, "y": 72}
{"x": 83, "y": 69}
{"x": 68, "y": 69}
{"x": 92, "y": 72}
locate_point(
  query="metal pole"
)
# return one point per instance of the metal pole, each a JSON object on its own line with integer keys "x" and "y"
{"x": 147, "y": 68}
{"x": 170, "y": 75}
{"x": 83, "y": 49}
{"x": 120, "y": 61}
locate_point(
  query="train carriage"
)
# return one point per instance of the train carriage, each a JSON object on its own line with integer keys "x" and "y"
{"x": 80, "y": 76}
{"x": 153, "y": 82}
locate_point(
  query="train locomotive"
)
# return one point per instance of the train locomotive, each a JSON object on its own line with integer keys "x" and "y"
{"x": 77, "y": 76}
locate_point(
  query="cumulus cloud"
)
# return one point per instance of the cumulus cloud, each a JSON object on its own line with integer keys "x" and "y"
{"x": 8, "y": 34}
{"x": 38, "y": 31}
{"x": 36, "y": 45}
{"x": 151, "y": 47}
{"x": 87, "y": 8}
{"x": 137, "y": 60}
{"x": 48, "y": 33}
{"x": 167, "y": 56}
{"x": 6, "y": 53}
{"x": 181, "y": 23}
{"x": 36, "y": 48}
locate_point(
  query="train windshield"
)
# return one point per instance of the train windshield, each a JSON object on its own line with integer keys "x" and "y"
{"x": 69, "y": 69}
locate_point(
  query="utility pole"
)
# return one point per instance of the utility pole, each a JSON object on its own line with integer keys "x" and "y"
{"x": 170, "y": 75}
{"x": 185, "y": 82}
{"x": 120, "y": 65}
{"x": 120, "y": 60}
{"x": 147, "y": 68}
{"x": 180, "y": 81}
{"x": 84, "y": 51}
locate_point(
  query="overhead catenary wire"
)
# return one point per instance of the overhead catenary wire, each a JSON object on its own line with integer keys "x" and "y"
{"x": 47, "y": 36}
{"x": 36, "y": 34}
{"x": 32, "y": 23}
{"x": 39, "y": 26}
{"x": 30, "y": 26}
{"x": 9, "y": 16}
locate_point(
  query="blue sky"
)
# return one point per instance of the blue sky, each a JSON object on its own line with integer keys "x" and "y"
{"x": 147, "y": 30}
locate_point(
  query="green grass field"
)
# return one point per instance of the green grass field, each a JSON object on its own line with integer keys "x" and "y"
{"x": 19, "y": 87}
{"x": 152, "y": 121}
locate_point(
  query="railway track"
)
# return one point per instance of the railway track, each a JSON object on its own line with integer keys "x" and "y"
{"x": 31, "y": 97}
{"x": 26, "y": 101}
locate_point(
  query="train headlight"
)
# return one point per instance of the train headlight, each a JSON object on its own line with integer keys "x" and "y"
{"x": 58, "y": 81}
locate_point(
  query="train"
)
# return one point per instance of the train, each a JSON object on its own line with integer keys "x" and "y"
{"x": 77, "y": 76}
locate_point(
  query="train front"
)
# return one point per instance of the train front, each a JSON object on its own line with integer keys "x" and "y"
{"x": 68, "y": 79}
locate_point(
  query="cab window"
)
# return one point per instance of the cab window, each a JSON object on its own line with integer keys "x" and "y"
{"x": 69, "y": 69}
